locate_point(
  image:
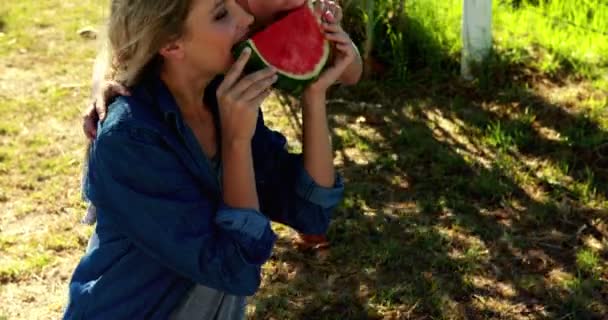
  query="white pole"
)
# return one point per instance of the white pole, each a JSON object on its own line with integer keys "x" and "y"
{"x": 476, "y": 34}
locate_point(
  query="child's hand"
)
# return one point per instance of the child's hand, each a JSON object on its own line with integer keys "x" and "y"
{"x": 98, "y": 108}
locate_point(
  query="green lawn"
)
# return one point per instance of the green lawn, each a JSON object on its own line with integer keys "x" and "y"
{"x": 481, "y": 201}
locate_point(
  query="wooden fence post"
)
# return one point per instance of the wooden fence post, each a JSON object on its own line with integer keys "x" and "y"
{"x": 476, "y": 34}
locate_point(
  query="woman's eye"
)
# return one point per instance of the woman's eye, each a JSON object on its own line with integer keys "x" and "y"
{"x": 221, "y": 15}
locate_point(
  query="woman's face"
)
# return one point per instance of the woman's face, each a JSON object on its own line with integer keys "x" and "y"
{"x": 212, "y": 28}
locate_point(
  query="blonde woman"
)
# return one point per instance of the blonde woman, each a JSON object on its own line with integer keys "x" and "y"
{"x": 264, "y": 13}
{"x": 185, "y": 175}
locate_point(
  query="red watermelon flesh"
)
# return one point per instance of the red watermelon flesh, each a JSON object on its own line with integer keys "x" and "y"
{"x": 295, "y": 44}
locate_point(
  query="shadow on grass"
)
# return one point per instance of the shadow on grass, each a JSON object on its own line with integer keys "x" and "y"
{"x": 430, "y": 230}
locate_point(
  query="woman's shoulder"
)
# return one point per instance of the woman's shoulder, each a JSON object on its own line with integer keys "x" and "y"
{"x": 131, "y": 113}
{"x": 119, "y": 113}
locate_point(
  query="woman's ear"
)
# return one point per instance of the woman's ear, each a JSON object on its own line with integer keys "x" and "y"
{"x": 172, "y": 50}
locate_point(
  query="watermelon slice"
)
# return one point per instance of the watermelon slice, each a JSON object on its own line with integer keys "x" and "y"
{"x": 294, "y": 45}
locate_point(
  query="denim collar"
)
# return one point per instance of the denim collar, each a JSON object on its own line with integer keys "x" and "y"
{"x": 155, "y": 93}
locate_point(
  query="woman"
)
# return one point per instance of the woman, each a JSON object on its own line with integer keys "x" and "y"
{"x": 185, "y": 175}
{"x": 264, "y": 13}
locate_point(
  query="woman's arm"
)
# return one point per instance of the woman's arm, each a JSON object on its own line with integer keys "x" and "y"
{"x": 287, "y": 192}
{"x": 352, "y": 73}
{"x": 332, "y": 14}
{"x": 318, "y": 152}
{"x": 238, "y": 176}
{"x": 318, "y": 157}
{"x": 142, "y": 187}
{"x": 303, "y": 190}
{"x": 238, "y": 101}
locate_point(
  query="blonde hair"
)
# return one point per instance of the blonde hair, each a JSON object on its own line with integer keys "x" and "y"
{"x": 136, "y": 31}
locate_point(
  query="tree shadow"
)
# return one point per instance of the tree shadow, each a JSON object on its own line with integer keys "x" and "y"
{"x": 438, "y": 222}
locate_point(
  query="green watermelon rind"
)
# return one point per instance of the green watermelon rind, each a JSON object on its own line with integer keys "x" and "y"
{"x": 285, "y": 81}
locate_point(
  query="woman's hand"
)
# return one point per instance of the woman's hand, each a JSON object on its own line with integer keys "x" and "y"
{"x": 329, "y": 10}
{"x": 345, "y": 55}
{"x": 239, "y": 99}
{"x": 98, "y": 108}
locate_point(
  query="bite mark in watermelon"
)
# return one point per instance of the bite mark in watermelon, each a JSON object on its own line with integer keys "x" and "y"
{"x": 294, "y": 45}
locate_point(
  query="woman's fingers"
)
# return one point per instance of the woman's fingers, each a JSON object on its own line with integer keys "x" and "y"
{"x": 338, "y": 38}
{"x": 333, "y": 73}
{"x": 259, "y": 87}
{"x": 344, "y": 47}
{"x": 332, "y": 27}
{"x": 255, "y": 80}
{"x": 348, "y": 53}
{"x": 335, "y": 12}
{"x": 319, "y": 7}
{"x": 257, "y": 100}
{"x": 329, "y": 11}
{"x": 328, "y": 16}
{"x": 234, "y": 72}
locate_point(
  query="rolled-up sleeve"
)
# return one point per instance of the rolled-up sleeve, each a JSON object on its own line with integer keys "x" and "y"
{"x": 250, "y": 229}
{"x": 307, "y": 189}
{"x": 143, "y": 189}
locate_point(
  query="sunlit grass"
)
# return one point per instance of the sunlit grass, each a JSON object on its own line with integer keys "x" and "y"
{"x": 555, "y": 35}
{"x": 549, "y": 36}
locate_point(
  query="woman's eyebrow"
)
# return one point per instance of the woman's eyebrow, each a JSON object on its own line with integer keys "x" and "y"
{"x": 218, "y": 3}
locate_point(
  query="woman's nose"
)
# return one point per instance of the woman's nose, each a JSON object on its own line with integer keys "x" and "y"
{"x": 243, "y": 18}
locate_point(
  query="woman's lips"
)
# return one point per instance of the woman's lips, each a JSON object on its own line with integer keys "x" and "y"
{"x": 242, "y": 37}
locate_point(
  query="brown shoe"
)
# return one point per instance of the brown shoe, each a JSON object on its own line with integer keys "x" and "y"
{"x": 311, "y": 241}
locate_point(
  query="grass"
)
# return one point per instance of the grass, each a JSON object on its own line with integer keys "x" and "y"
{"x": 570, "y": 34}
{"x": 464, "y": 200}
{"x": 553, "y": 37}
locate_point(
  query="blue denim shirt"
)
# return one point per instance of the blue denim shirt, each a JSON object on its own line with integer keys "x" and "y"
{"x": 162, "y": 225}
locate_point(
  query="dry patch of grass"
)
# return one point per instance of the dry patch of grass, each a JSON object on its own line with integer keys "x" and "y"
{"x": 44, "y": 75}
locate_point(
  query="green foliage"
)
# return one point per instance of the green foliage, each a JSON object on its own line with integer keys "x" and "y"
{"x": 588, "y": 261}
{"x": 551, "y": 36}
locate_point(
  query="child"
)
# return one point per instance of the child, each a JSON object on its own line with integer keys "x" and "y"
{"x": 264, "y": 12}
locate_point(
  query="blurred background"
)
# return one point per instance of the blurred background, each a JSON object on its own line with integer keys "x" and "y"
{"x": 477, "y": 199}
